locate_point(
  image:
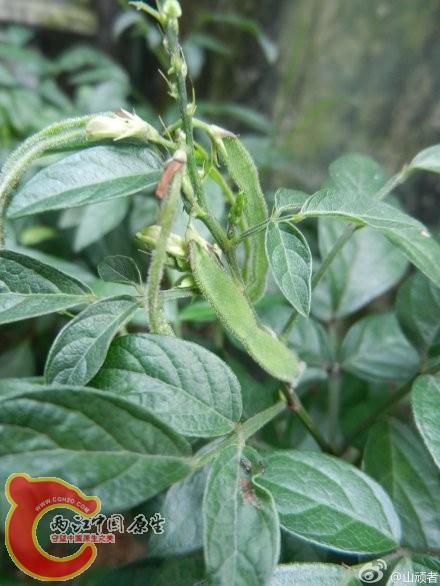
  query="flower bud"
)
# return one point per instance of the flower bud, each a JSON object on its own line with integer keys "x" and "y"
{"x": 219, "y": 132}
{"x": 172, "y": 9}
{"x": 176, "y": 249}
{"x": 120, "y": 125}
{"x": 186, "y": 282}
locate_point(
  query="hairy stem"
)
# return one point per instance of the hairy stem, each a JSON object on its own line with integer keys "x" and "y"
{"x": 57, "y": 136}
{"x": 186, "y": 114}
{"x": 158, "y": 323}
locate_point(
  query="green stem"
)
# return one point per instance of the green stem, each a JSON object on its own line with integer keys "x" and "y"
{"x": 243, "y": 432}
{"x": 334, "y": 384}
{"x": 54, "y": 129}
{"x": 252, "y": 425}
{"x": 251, "y": 231}
{"x": 179, "y": 66}
{"x": 295, "y": 405}
{"x": 179, "y": 69}
{"x": 158, "y": 323}
{"x": 391, "y": 184}
{"x": 334, "y": 404}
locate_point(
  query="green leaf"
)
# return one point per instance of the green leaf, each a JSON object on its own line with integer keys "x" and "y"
{"x": 368, "y": 265}
{"x": 99, "y": 442}
{"x": 312, "y": 575}
{"x": 256, "y": 395}
{"x": 358, "y": 174}
{"x": 404, "y": 231}
{"x": 327, "y": 501}
{"x": 426, "y": 407}
{"x": 197, "y": 311}
{"x": 98, "y": 220}
{"x": 249, "y": 25}
{"x": 241, "y": 531}
{"x": 24, "y": 274}
{"x": 395, "y": 457}
{"x": 375, "y": 349}
{"x": 119, "y": 269}
{"x": 81, "y": 346}
{"x": 184, "y": 523}
{"x": 90, "y": 176}
{"x": 290, "y": 260}
{"x": 73, "y": 269}
{"x": 29, "y": 288}
{"x": 417, "y": 302}
{"x": 289, "y": 200}
{"x": 184, "y": 384}
{"x": 426, "y": 160}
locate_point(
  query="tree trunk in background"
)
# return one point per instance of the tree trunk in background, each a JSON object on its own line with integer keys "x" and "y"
{"x": 361, "y": 76}
{"x": 352, "y": 75}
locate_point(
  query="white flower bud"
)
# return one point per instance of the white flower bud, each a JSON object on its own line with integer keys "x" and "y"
{"x": 172, "y": 9}
{"x": 120, "y": 125}
{"x": 177, "y": 251}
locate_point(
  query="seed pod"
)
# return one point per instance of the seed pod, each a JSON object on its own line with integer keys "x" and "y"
{"x": 243, "y": 171}
{"x": 237, "y": 315}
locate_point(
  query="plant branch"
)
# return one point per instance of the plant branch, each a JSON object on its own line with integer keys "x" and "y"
{"x": 242, "y": 432}
{"x": 60, "y": 135}
{"x": 178, "y": 69}
{"x": 295, "y": 405}
{"x": 158, "y": 323}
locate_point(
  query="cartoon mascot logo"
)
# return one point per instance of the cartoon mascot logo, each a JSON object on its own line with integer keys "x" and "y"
{"x": 31, "y": 498}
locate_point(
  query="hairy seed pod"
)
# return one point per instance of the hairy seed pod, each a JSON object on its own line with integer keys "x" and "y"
{"x": 237, "y": 315}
